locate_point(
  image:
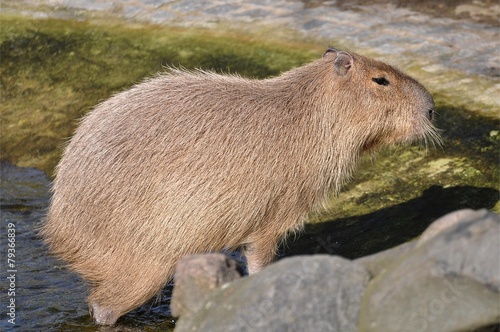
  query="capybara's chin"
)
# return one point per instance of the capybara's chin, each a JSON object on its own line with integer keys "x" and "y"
{"x": 190, "y": 162}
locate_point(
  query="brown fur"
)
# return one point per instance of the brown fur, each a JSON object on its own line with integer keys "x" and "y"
{"x": 191, "y": 162}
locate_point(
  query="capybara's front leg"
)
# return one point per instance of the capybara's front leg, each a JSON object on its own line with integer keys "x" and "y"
{"x": 258, "y": 255}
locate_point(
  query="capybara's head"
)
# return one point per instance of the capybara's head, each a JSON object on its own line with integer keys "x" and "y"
{"x": 380, "y": 102}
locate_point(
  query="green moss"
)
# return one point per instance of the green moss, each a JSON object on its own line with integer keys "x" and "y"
{"x": 53, "y": 71}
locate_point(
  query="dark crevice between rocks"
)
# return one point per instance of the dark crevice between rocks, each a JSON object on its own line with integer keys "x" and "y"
{"x": 363, "y": 235}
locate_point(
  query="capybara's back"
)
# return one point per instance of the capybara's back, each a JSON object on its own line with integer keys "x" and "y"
{"x": 191, "y": 162}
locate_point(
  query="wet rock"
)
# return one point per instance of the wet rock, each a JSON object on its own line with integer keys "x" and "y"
{"x": 449, "y": 281}
{"x": 196, "y": 276}
{"x": 303, "y": 293}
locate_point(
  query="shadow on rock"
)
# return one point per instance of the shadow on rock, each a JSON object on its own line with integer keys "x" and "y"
{"x": 359, "y": 236}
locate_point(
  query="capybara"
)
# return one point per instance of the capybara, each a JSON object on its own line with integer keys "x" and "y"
{"x": 194, "y": 161}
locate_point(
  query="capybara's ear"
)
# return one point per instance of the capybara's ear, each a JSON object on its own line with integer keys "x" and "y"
{"x": 343, "y": 63}
{"x": 330, "y": 49}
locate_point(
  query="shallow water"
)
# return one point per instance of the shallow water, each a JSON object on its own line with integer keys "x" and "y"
{"x": 43, "y": 293}
{"x": 47, "y": 297}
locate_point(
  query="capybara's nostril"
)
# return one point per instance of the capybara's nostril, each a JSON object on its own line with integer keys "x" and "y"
{"x": 431, "y": 114}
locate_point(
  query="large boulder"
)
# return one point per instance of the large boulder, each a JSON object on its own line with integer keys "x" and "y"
{"x": 303, "y": 293}
{"x": 449, "y": 281}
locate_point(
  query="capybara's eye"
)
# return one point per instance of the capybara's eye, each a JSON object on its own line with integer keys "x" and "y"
{"x": 380, "y": 80}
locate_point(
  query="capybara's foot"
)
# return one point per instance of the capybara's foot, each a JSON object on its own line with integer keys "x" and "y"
{"x": 103, "y": 315}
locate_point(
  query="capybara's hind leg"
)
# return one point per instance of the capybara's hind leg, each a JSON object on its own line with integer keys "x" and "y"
{"x": 107, "y": 302}
{"x": 111, "y": 299}
{"x": 102, "y": 315}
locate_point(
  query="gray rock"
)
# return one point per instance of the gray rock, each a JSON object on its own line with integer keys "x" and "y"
{"x": 449, "y": 220}
{"x": 303, "y": 293}
{"x": 196, "y": 276}
{"x": 450, "y": 281}
{"x": 380, "y": 262}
